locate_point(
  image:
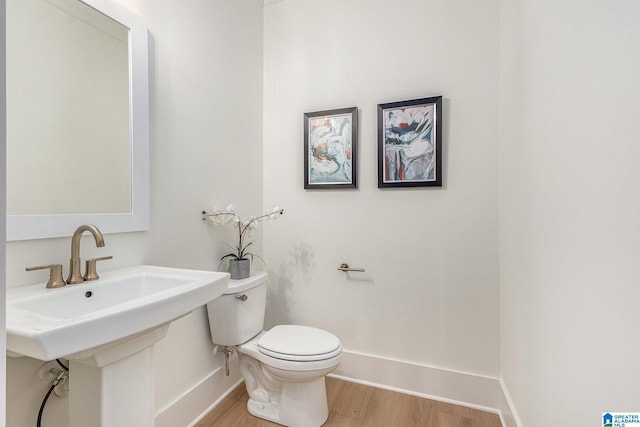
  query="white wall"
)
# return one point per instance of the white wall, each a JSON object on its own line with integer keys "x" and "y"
{"x": 430, "y": 292}
{"x": 3, "y": 168}
{"x": 569, "y": 208}
{"x": 206, "y": 148}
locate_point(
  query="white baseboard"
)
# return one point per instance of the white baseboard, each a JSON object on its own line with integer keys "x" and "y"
{"x": 461, "y": 388}
{"x": 465, "y": 389}
{"x": 508, "y": 413}
{"x": 195, "y": 403}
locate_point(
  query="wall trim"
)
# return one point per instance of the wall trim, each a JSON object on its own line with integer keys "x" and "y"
{"x": 444, "y": 385}
{"x": 508, "y": 414}
{"x": 190, "y": 407}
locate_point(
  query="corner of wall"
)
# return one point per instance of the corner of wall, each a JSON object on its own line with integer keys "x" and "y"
{"x": 3, "y": 209}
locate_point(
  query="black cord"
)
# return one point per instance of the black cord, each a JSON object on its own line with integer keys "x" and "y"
{"x": 60, "y": 378}
{"x": 44, "y": 402}
{"x": 62, "y": 365}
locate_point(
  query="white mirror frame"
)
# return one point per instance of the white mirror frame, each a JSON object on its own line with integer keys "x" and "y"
{"x": 27, "y": 227}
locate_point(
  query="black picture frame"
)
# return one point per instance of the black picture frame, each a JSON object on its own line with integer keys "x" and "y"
{"x": 410, "y": 143}
{"x": 331, "y": 149}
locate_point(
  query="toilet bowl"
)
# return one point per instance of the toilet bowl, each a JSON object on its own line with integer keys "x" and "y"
{"x": 284, "y": 367}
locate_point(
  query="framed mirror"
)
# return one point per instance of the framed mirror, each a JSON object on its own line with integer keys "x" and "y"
{"x": 77, "y": 118}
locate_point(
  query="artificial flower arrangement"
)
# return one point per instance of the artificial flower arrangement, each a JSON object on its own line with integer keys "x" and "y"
{"x": 228, "y": 215}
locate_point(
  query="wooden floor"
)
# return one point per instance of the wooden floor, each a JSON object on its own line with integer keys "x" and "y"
{"x": 352, "y": 404}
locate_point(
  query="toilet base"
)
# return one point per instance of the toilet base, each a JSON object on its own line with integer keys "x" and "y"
{"x": 302, "y": 404}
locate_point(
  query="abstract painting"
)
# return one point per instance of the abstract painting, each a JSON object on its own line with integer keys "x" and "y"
{"x": 410, "y": 143}
{"x": 330, "y": 148}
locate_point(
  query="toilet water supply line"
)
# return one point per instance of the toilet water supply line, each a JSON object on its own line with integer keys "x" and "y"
{"x": 60, "y": 377}
{"x": 227, "y": 357}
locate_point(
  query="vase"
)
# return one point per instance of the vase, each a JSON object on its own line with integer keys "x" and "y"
{"x": 240, "y": 268}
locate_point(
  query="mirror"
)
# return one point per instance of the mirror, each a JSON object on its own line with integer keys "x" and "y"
{"x": 77, "y": 118}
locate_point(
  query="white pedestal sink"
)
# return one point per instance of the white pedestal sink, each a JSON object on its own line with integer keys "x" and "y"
{"x": 107, "y": 329}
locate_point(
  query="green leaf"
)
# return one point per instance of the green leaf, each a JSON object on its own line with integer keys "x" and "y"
{"x": 231, "y": 255}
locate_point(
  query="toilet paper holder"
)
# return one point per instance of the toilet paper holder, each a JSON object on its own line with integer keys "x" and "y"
{"x": 345, "y": 267}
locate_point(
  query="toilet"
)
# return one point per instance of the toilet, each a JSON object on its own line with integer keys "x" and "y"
{"x": 284, "y": 367}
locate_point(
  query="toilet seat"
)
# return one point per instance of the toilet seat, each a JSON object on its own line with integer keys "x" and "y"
{"x": 299, "y": 343}
{"x": 250, "y": 348}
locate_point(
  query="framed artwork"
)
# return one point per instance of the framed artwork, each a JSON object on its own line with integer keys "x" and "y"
{"x": 410, "y": 143}
{"x": 330, "y": 149}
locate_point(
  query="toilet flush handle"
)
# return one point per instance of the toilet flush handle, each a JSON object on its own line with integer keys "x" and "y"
{"x": 242, "y": 297}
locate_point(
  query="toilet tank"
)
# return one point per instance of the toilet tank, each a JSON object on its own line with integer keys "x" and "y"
{"x": 238, "y": 315}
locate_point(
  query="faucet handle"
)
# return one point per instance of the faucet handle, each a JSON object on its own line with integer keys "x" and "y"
{"x": 90, "y": 272}
{"x": 55, "y": 275}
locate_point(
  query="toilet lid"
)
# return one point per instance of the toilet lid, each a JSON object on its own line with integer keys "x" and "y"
{"x": 300, "y": 343}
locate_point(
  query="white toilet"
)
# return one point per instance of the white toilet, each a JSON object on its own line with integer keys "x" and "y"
{"x": 283, "y": 368}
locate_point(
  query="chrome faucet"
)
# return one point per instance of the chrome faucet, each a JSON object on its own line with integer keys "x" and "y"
{"x": 74, "y": 273}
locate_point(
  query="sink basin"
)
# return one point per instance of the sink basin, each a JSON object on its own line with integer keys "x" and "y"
{"x": 50, "y": 323}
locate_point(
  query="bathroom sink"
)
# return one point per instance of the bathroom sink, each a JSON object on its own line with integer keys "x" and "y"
{"x": 50, "y": 323}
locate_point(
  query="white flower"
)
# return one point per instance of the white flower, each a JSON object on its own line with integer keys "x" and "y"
{"x": 274, "y": 213}
{"x": 244, "y": 225}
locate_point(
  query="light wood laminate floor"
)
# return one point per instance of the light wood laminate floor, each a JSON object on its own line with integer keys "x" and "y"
{"x": 352, "y": 405}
